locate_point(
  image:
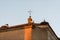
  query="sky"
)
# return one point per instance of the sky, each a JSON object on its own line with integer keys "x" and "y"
{"x": 14, "y": 12}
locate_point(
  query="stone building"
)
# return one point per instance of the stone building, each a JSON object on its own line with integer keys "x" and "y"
{"x": 28, "y": 31}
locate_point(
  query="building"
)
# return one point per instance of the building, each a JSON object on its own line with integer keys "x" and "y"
{"x": 58, "y": 38}
{"x": 28, "y": 31}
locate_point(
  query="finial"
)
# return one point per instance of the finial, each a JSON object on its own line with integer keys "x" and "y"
{"x": 29, "y": 12}
{"x": 44, "y": 20}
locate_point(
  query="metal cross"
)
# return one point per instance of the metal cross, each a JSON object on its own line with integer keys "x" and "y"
{"x": 29, "y": 12}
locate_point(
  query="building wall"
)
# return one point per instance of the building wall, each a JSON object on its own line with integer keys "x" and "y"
{"x": 12, "y": 35}
{"x": 51, "y": 36}
{"x": 27, "y": 33}
{"x": 43, "y": 32}
{"x": 39, "y": 34}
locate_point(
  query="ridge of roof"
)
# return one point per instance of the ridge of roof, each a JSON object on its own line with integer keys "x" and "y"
{"x": 15, "y": 27}
{"x": 21, "y": 25}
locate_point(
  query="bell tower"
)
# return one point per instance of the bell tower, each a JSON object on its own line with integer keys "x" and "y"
{"x": 28, "y": 28}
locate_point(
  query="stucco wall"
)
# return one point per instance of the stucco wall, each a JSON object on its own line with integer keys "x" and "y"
{"x": 12, "y": 35}
{"x": 39, "y": 34}
{"x": 51, "y": 36}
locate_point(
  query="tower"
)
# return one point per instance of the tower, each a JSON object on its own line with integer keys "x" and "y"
{"x": 28, "y": 28}
{"x": 29, "y": 20}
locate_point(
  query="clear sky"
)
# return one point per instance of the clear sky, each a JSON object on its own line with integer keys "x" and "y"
{"x": 14, "y": 12}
